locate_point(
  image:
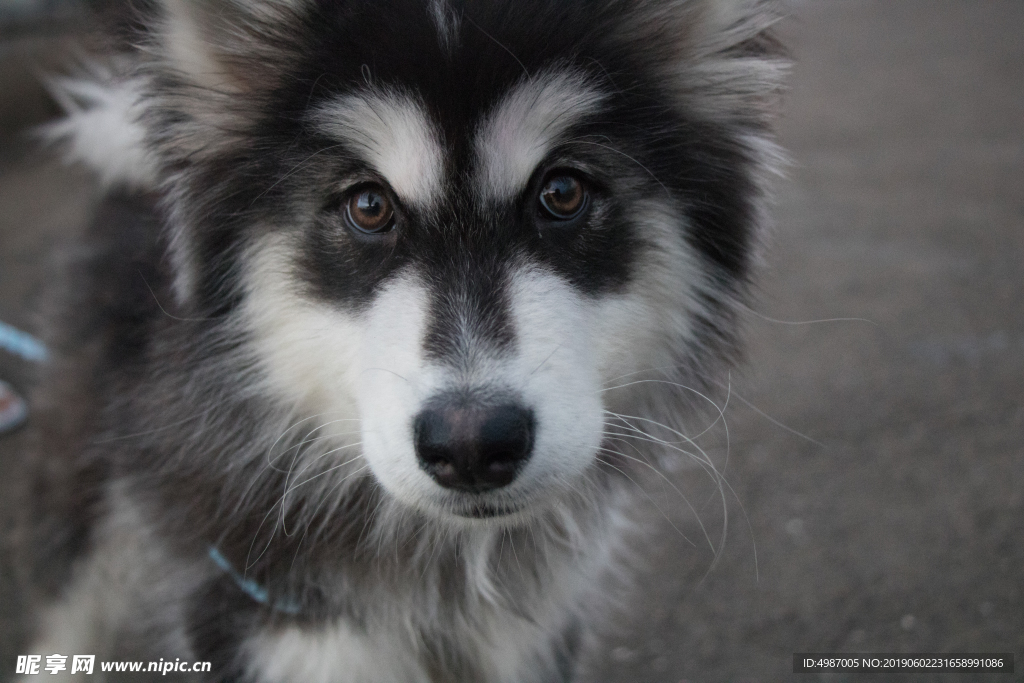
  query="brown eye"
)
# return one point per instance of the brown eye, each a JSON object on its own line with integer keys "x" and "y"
{"x": 369, "y": 210}
{"x": 563, "y": 197}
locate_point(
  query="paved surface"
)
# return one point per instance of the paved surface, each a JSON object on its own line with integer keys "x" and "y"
{"x": 897, "y": 523}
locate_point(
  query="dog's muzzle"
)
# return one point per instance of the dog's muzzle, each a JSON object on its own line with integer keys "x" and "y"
{"x": 473, "y": 448}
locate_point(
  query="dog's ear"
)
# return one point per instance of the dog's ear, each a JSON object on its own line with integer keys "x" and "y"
{"x": 212, "y": 62}
{"x": 722, "y": 55}
{"x": 226, "y": 46}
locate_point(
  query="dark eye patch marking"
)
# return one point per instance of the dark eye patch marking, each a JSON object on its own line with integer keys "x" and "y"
{"x": 633, "y": 142}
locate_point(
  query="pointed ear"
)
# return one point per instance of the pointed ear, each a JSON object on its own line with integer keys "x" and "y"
{"x": 722, "y": 55}
{"x": 190, "y": 43}
{"x": 212, "y": 62}
{"x": 227, "y": 46}
{"x": 728, "y": 24}
{"x": 741, "y": 64}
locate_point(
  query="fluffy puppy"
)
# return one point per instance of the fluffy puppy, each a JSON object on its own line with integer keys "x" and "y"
{"x": 359, "y": 357}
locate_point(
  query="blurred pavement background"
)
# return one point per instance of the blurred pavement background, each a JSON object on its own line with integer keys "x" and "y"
{"x": 895, "y": 523}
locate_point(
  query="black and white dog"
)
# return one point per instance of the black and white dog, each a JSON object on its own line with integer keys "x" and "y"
{"x": 359, "y": 358}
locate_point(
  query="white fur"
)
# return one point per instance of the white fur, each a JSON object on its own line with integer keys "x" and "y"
{"x": 102, "y": 131}
{"x": 394, "y": 135}
{"x": 556, "y": 370}
{"x": 337, "y": 654}
{"x": 394, "y": 382}
{"x": 654, "y": 316}
{"x": 524, "y": 126}
{"x": 308, "y": 351}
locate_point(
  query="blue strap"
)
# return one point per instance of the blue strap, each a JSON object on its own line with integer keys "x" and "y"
{"x": 22, "y": 344}
{"x": 250, "y": 587}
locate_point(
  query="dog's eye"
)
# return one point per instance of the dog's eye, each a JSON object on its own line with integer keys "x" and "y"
{"x": 369, "y": 210}
{"x": 563, "y": 197}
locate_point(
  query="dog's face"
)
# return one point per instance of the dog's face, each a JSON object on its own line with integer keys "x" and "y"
{"x": 451, "y": 230}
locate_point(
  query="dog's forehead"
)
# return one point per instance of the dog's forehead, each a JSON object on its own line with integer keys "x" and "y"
{"x": 519, "y": 132}
{"x": 468, "y": 98}
{"x": 392, "y": 133}
{"x": 402, "y": 139}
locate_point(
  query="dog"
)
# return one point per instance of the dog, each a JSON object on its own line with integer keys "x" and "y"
{"x": 354, "y": 370}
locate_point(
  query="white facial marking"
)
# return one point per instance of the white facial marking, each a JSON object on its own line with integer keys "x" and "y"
{"x": 524, "y": 126}
{"x": 394, "y": 135}
{"x": 556, "y": 371}
{"x": 308, "y": 350}
{"x": 394, "y": 380}
{"x": 643, "y": 325}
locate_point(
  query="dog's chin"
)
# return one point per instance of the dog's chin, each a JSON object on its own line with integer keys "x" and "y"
{"x": 474, "y": 510}
{"x": 482, "y": 510}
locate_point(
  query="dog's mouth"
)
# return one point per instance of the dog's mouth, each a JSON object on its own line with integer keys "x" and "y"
{"x": 484, "y": 511}
{"x": 512, "y": 508}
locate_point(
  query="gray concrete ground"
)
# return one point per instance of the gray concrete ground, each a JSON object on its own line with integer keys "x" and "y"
{"x": 896, "y": 522}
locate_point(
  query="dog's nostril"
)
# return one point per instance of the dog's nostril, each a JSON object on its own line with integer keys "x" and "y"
{"x": 471, "y": 448}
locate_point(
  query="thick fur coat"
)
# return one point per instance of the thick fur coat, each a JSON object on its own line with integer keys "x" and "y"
{"x": 233, "y": 459}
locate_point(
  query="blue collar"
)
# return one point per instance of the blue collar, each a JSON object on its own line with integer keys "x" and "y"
{"x": 251, "y": 588}
{"x": 22, "y": 344}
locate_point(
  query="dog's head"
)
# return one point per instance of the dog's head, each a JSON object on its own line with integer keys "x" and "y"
{"x": 451, "y": 230}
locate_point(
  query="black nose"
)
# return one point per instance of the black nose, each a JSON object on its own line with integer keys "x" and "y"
{"x": 473, "y": 448}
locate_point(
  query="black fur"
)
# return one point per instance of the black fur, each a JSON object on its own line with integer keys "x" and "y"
{"x": 342, "y": 46}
